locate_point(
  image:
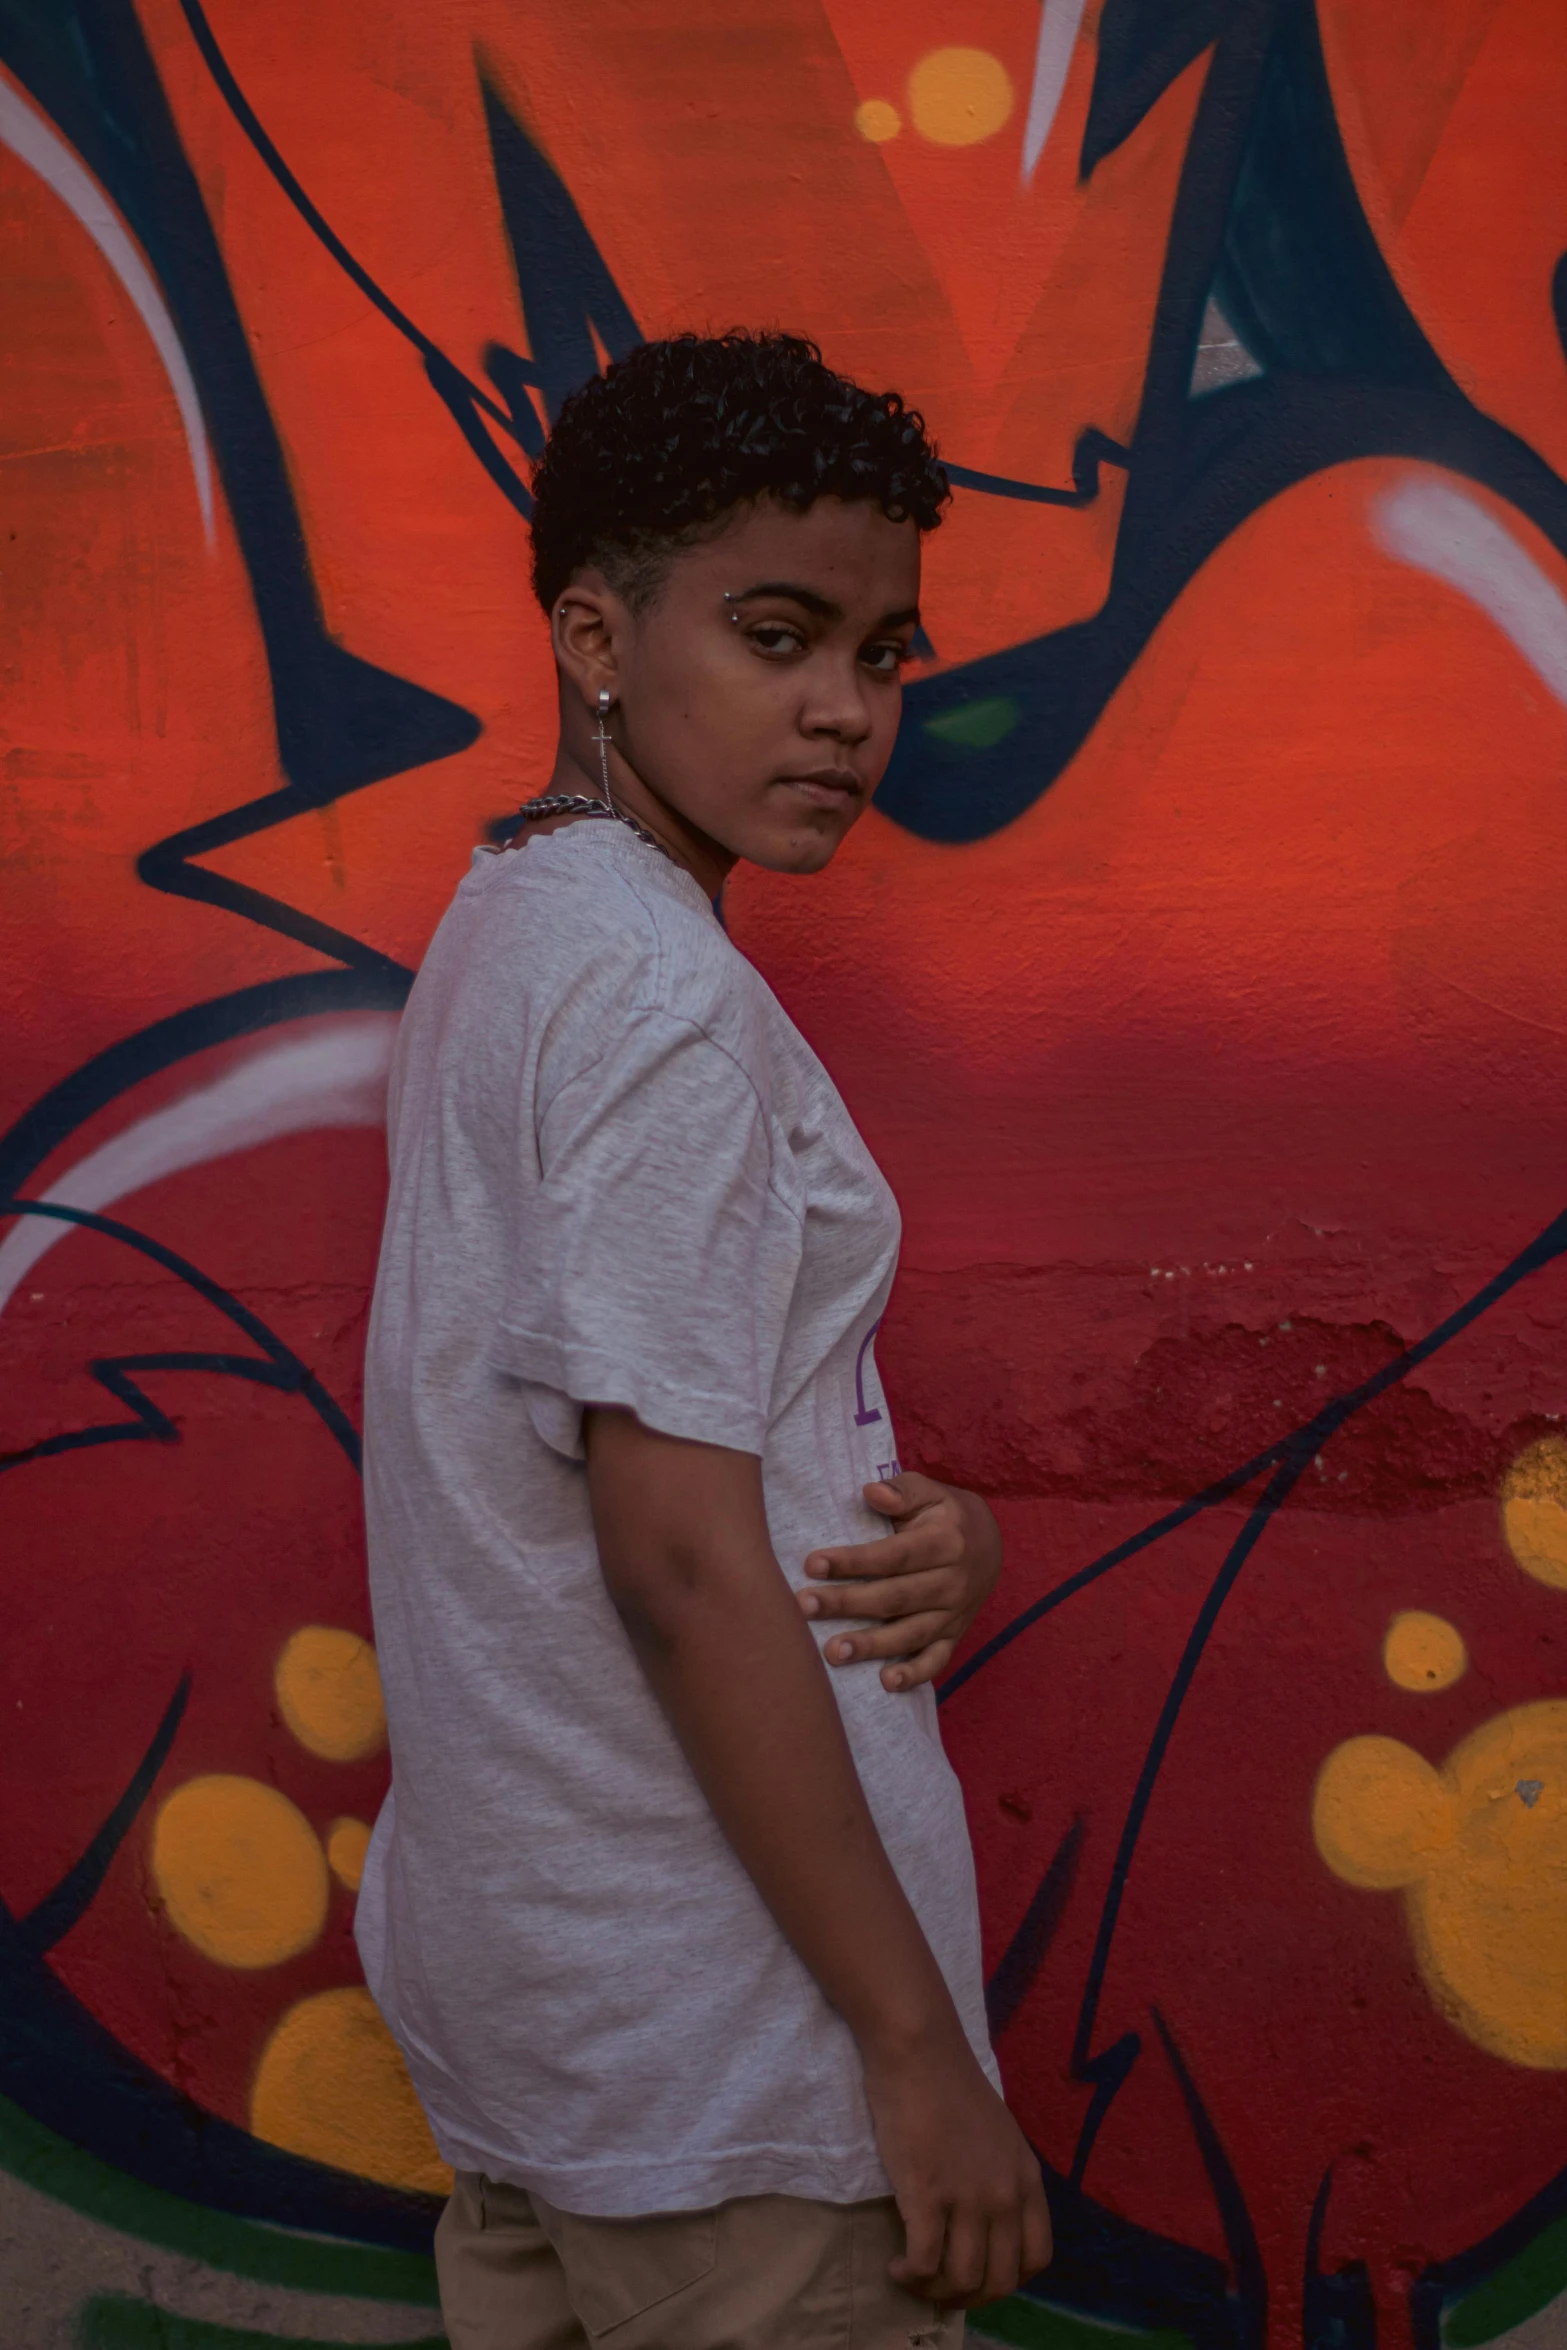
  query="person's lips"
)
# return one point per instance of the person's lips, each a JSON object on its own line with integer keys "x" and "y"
{"x": 827, "y": 787}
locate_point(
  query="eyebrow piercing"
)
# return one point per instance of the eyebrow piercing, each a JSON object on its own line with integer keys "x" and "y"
{"x": 730, "y": 598}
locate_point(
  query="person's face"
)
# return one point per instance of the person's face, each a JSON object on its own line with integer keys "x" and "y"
{"x": 759, "y": 695}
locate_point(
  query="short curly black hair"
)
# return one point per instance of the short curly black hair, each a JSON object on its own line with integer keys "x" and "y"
{"x": 647, "y": 457}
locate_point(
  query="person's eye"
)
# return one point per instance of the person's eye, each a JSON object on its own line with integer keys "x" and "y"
{"x": 776, "y": 639}
{"x": 886, "y": 660}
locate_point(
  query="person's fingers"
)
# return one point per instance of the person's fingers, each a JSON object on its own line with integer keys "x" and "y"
{"x": 888, "y": 1499}
{"x": 901, "y": 1496}
{"x": 904, "y": 1638}
{"x": 962, "y": 2270}
{"x": 855, "y": 1559}
{"x": 915, "y": 1593}
{"x": 873, "y": 1562}
{"x": 1038, "y": 2246}
{"x": 1003, "y": 2255}
{"x": 934, "y": 1541}
{"x": 924, "y": 2235}
{"x": 914, "y": 1671}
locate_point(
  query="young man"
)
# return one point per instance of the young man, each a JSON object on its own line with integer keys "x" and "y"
{"x": 676, "y": 1928}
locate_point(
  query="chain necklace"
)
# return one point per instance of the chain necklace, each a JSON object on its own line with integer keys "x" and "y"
{"x": 568, "y": 803}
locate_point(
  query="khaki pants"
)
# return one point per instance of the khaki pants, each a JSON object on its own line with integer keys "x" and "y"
{"x": 770, "y": 2272}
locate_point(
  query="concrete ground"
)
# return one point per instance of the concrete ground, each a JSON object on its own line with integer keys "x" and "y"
{"x": 69, "y": 2281}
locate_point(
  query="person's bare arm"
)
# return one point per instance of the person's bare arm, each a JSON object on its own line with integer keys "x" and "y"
{"x": 683, "y": 1541}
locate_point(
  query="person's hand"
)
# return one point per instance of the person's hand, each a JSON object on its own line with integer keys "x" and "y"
{"x": 967, "y": 2183}
{"x": 922, "y": 1585}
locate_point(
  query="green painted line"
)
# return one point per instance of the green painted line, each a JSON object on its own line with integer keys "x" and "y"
{"x": 114, "y": 2321}
{"x": 1026, "y": 2324}
{"x": 1519, "y": 2289}
{"x": 976, "y": 726}
{"x": 241, "y": 2247}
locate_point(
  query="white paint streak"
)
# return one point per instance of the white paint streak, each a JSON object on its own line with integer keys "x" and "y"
{"x": 41, "y": 148}
{"x": 336, "y": 1077}
{"x": 1058, "y": 26}
{"x": 1437, "y": 529}
{"x": 1222, "y": 358}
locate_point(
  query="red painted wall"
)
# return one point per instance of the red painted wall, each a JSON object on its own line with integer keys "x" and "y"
{"x": 1201, "y": 984}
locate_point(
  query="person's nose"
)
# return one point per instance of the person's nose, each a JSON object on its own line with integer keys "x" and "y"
{"x": 838, "y": 706}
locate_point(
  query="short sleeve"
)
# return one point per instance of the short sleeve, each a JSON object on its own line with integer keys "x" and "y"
{"x": 655, "y": 1265}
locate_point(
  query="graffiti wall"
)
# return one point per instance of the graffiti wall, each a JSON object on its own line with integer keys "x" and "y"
{"x": 1201, "y": 980}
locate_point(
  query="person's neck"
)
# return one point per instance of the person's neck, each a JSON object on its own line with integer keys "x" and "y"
{"x": 705, "y": 859}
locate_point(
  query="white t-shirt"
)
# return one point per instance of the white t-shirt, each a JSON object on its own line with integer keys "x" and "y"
{"x": 619, "y": 1175}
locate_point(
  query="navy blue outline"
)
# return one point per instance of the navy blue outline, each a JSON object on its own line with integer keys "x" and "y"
{"x": 276, "y": 1366}
{"x": 1020, "y": 1962}
{"x": 1251, "y": 2282}
{"x": 467, "y": 402}
{"x": 1141, "y": 47}
{"x": 1108, "y": 2269}
{"x": 50, "y": 1920}
{"x": 57, "y": 2061}
{"x": 567, "y": 292}
{"x": 1107, "y": 2069}
{"x": 1093, "y": 449}
{"x": 341, "y": 722}
{"x": 56, "y": 1115}
{"x": 69, "y": 2072}
{"x": 1265, "y": 189}
{"x": 1337, "y": 2309}
{"x": 168, "y": 866}
{"x": 1306, "y": 1439}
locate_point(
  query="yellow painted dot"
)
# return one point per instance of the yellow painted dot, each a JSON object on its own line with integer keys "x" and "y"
{"x": 332, "y": 2086}
{"x": 959, "y": 96}
{"x": 239, "y": 1871}
{"x": 1480, "y": 1851}
{"x": 877, "y": 121}
{"x": 346, "y": 1845}
{"x": 1381, "y": 1815}
{"x": 1424, "y": 1652}
{"x": 1490, "y": 1922}
{"x": 329, "y": 1693}
{"x": 1534, "y": 1511}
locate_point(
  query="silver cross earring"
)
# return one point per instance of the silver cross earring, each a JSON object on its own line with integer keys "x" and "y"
{"x": 601, "y": 737}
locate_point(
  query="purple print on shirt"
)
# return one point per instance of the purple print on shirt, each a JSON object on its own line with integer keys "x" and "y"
{"x": 866, "y": 1413}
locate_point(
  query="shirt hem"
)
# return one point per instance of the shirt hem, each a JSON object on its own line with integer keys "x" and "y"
{"x": 587, "y": 1375}
{"x": 637, "y": 2190}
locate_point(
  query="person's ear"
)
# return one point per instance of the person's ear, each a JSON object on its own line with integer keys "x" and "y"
{"x": 585, "y": 627}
